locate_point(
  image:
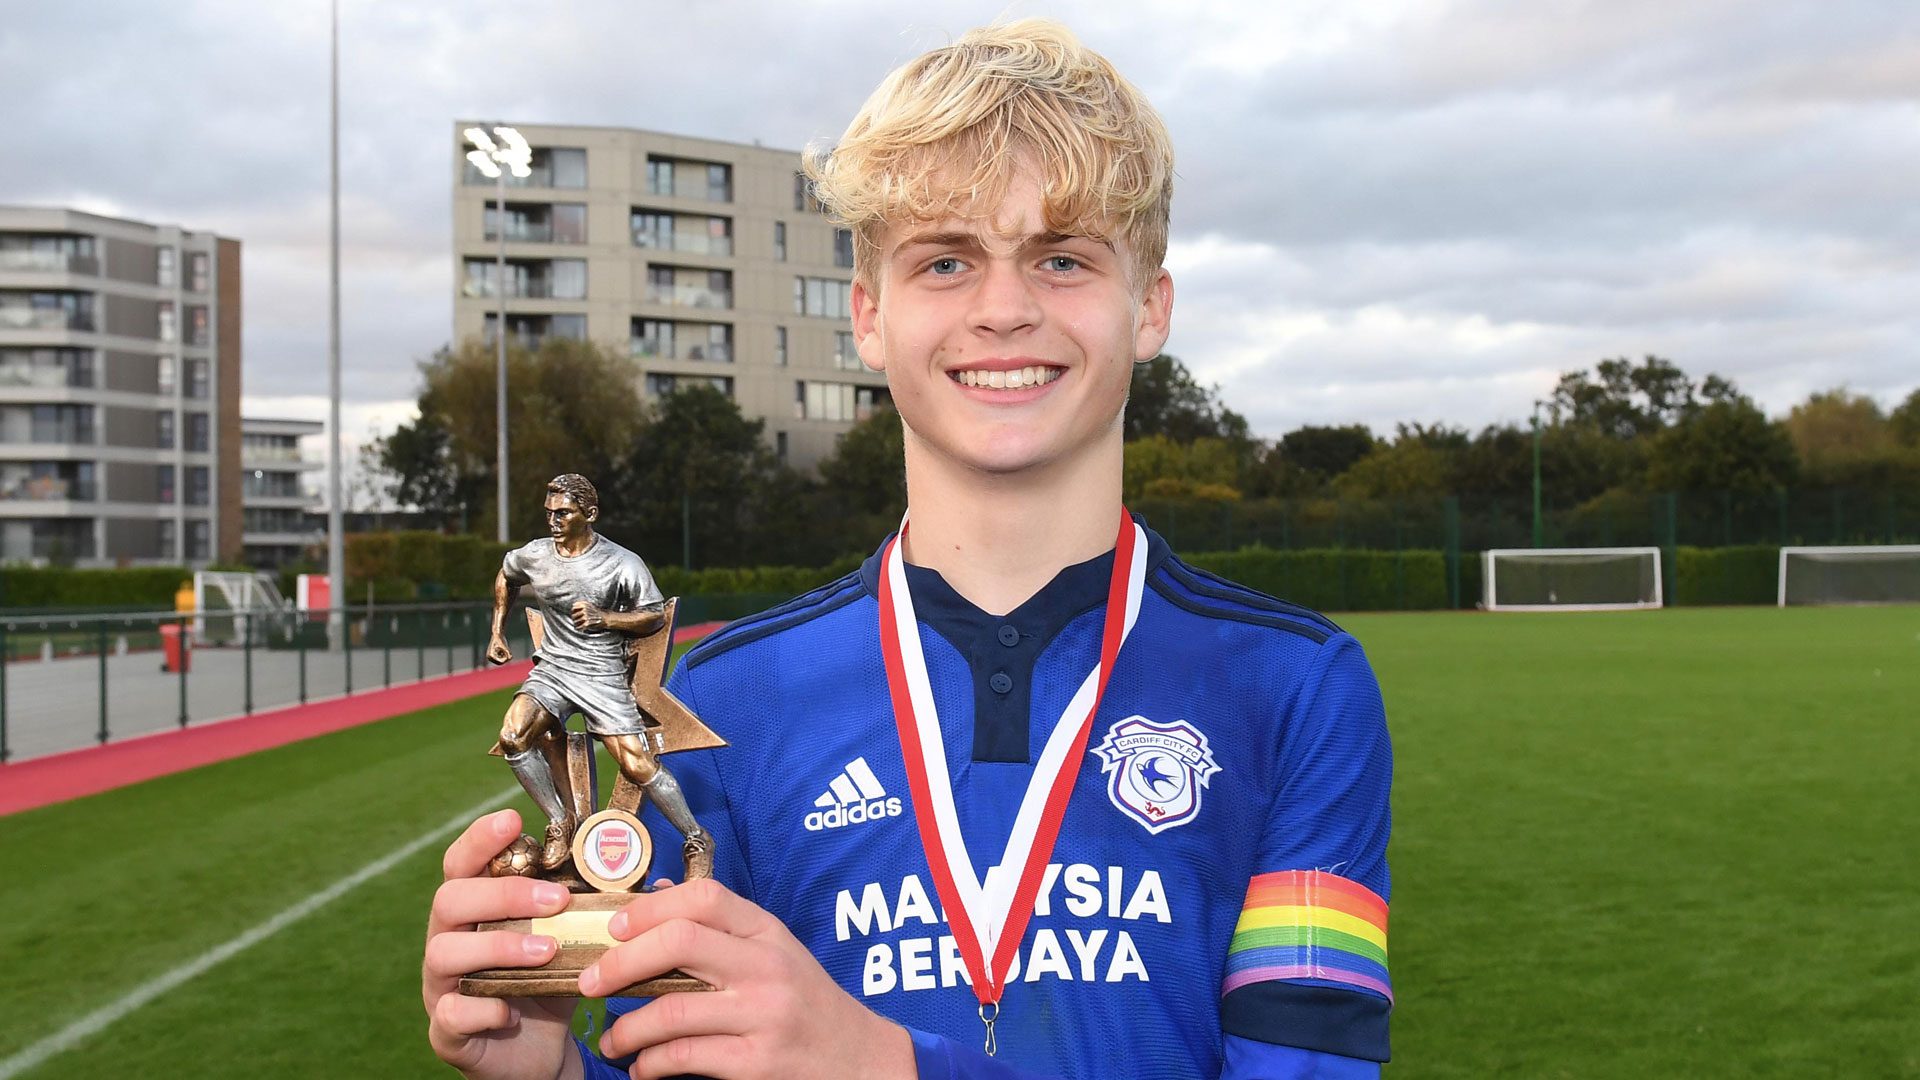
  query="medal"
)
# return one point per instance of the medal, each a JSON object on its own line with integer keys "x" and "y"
{"x": 989, "y": 918}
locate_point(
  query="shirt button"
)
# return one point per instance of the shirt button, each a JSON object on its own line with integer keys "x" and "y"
{"x": 1009, "y": 636}
{"x": 1001, "y": 682}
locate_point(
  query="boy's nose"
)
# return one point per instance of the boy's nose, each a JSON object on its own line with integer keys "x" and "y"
{"x": 1005, "y": 301}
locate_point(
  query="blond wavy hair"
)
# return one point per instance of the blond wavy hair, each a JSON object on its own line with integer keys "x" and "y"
{"x": 945, "y": 135}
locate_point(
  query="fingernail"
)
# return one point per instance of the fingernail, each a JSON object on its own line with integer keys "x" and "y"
{"x": 501, "y": 819}
{"x": 513, "y": 1016}
{"x": 538, "y": 946}
{"x": 590, "y": 979}
{"x": 617, "y": 926}
{"x": 546, "y": 893}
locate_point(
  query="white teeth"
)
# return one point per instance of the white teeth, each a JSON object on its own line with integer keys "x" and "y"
{"x": 1007, "y": 380}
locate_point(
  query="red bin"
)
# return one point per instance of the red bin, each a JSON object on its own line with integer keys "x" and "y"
{"x": 175, "y": 648}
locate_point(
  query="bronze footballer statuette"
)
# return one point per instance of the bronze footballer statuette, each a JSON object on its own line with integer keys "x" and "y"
{"x": 602, "y": 638}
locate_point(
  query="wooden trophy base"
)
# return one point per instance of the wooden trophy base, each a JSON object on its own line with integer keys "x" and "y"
{"x": 581, "y": 931}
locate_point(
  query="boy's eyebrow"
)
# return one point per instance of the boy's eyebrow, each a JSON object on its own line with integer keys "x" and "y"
{"x": 961, "y": 238}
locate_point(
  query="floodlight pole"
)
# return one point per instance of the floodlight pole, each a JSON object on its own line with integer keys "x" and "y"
{"x": 336, "y": 524}
{"x": 500, "y": 351}
{"x": 1538, "y": 531}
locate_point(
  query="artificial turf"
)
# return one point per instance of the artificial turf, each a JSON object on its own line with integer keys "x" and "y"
{"x": 1651, "y": 844}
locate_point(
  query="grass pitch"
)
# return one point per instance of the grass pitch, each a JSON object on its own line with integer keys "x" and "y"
{"x": 1648, "y": 844}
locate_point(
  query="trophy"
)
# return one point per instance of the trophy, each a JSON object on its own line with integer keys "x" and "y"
{"x": 602, "y": 638}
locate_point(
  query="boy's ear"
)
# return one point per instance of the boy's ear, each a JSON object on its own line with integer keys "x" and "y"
{"x": 866, "y": 326}
{"x": 1155, "y": 321}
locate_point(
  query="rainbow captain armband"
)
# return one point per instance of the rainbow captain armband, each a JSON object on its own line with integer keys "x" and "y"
{"x": 1306, "y": 924}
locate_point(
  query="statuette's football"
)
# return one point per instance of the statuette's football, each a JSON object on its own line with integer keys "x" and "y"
{"x": 521, "y": 859}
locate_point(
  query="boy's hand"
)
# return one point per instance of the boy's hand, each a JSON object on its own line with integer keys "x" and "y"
{"x": 505, "y": 1038}
{"x": 774, "y": 1012}
{"x": 587, "y": 617}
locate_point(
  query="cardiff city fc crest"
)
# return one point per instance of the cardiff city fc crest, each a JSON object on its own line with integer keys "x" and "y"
{"x": 1158, "y": 771}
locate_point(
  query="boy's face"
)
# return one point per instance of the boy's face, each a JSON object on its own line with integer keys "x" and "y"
{"x": 1056, "y": 320}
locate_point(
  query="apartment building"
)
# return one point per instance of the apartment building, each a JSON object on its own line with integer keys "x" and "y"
{"x": 119, "y": 390}
{"x": 278, "y": 507}
{"x": 705, "y": 261}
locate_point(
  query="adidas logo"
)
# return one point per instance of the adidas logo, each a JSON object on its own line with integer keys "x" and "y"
{"x": 853, "y": 797}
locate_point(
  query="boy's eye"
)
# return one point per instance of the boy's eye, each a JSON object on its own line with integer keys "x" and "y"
{"x": 1062, "y": 263}
{"x": 947, "y": 266}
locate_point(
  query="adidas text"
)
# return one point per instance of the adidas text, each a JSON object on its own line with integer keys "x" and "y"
{"x": 840, "y": 816}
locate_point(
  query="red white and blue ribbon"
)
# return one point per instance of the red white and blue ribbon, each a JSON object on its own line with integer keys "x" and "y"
{"x": 989, "y": 917}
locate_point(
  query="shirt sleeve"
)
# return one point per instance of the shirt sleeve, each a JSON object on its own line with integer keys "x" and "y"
{"x": 936, "y": 1057}
{"x": 1307, "y": 966}
{"x": 514, "y": 567}
{"x": 641, "y": 587}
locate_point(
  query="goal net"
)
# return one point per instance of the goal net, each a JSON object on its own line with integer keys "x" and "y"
{"x": 1572, "y": 579}
{"x": 227, "y": 603}
{"x": 1872, "y": 574}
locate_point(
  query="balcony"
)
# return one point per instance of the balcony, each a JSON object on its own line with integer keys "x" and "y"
{"x": 545, "y": 279}
{"x": 43, "y": 318}
{"x": 54, "y": 262}
{"x": 46, "y": 488}
{"x": 275, "y": 454}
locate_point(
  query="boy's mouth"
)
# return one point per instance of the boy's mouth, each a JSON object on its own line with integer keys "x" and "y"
{"x": 1014, "y": 379}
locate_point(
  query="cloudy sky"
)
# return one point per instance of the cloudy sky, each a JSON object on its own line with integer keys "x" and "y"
{"x": 1416, "y": 210}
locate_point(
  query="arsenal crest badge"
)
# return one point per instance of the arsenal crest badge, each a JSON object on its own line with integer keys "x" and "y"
{"x": 1158, "y": 771}
{"x": 611, "y": 850}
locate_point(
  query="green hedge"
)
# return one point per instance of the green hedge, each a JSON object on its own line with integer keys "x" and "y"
{"x": 1730, "y": 575}
{"x": 142, "y": 588}
{"x": 1335, "y": 579}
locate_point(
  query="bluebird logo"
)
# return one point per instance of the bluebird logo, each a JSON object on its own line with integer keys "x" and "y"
{"x": 853, "y": 797}
{"x": 1156, "y": 772}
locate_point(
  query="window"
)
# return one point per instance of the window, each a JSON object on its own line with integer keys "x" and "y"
{"x": 199, "y": 539}
{"x": 163, "y": 482}
{"x": 843, "y": 248}
{"x": 48, "y": 424}
{"x": 689, "y": 287}
{"x": 165, "y": 266}
{"x": 165, "y": 375}
{"x": 262, "y": 483}
{"x": 780, "y": 346}
{"x": 780, "y": 241}
{"x": 652, "y": 230}
{"x": 846, "y": 356}
{"x": 658, "y": 384}
{"x": 51, "y": 367}
{"x": 717, "y": 346}
{"x": 569, "y": 222}
{"x": 68, "y": 252}
{"x": 165, "y": 534}
{"x": 569, "y": 279}
{"x": 780, "y": 446}
{"x": 552, "y": 279}
{"x": 719, "y": 183}
{"x": 197, "y": 432}
{"x": 197, "y": 329}
{"x": 719, "y": 238}
{"x": 57, "y": 480}
{"x": 569, "y": 168}
{"x": 659, "y": 176}
{"x": 652, "y": 338}
{"x": 832, "y": 401}
{"x": 163, "y": 430}
{"x": 168, "y": 328}
{"x": 197, "y": 271}
{"x": 826, "y": 297}
{"x": 196, "y": 378}
{"x": 538, "y": 223}
{"x": 199, "y": 485}
{"x": 571, "y": 327}
{"x": 46, "y": 311}
{"x": 800, "y": 191}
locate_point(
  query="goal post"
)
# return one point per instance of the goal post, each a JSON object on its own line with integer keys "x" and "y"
{"x": 1850, "y": 574}
{"x": 1573, "y": 579}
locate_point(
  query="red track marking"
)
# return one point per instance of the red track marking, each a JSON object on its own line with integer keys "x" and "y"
{"x": 59, "y": 777}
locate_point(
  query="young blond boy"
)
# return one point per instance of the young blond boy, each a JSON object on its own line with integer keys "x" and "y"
{"x": 1208, "y": 901}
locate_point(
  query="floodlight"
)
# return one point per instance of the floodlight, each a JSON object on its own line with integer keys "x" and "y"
{"x": 485, "y": 164}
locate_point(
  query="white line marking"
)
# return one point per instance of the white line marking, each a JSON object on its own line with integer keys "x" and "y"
{"x": 68, "y": 1037}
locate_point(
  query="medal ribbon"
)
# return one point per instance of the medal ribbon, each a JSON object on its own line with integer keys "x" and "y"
{"x": 989, "y": 918}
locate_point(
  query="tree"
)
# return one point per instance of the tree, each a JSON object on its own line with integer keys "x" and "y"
{"x": 868, "y": 466}
{"x": 1157, "y": 467}
{"x": 1407, "y": 466}
{"x": 1326, "y": 452}
{"x": 1726, "y": 445}
{"x": 1165, "y": 400}
{"x": 1904, "y": 423}
{"x": 1627, "y": 402}
{"x": 571, "y": 407}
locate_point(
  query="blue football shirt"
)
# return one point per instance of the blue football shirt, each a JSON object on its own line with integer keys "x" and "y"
{"x": 1216, "y": 901}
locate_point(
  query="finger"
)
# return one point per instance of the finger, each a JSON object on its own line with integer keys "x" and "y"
{"x": 457, "y": 953}
{"x": 700, "y": 951}
{"x": 705, "y": 901}
{"x": 465, "y": 901}
{"x": 701, "y": 1055}
{"x": 675, "y": 1016}
{"x": 463, "y": 1016}
{"x": 467, "y": 856}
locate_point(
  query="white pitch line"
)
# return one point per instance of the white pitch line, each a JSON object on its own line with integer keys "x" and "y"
{"x": 66, "y": 1038}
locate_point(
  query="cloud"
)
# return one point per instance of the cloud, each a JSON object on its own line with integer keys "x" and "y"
{"x": 1415, "y": 210}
